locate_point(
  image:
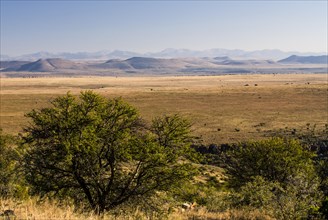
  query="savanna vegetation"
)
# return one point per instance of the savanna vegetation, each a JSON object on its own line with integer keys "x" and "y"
{"x": 88, "y": 156}
{"x": 222, "y": 108}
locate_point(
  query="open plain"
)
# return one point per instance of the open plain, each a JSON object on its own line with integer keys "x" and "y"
{"x": 223, "y": 109}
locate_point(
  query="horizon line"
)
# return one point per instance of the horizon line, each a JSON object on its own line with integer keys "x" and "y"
{"x": 159, "y": 51}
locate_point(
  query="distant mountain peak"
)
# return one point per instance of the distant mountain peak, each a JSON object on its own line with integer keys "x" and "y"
{"x": 305, "y": 59}
{"x": 222, "y": 58}
{"x": 48, "y": 65}
{"x": 265, "y": 54}
{"x": 150, "y": 65}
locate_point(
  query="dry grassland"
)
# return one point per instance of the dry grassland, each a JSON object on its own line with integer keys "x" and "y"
{"x": 222, "y": 108}
{"x": 34, "y": 209}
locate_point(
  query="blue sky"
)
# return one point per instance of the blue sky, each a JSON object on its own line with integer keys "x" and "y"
{"x": 150, "y": 26}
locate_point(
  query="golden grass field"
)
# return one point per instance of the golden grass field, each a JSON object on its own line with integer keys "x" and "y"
{"x": 34, "y": 209}
{"x": 223, "y": 109}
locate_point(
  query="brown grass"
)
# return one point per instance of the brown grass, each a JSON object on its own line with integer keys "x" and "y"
{"x": 221, "y": 108}
{"x": 33, "y": 209}
{"x": 203, "y": 214}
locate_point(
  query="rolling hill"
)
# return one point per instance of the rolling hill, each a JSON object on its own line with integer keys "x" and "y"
{"x": 173, "y": 66}
{"x": 140, "y": 63}
{"x": 48, "y": 65}
{"x": 11, "y": 65}
{"x": 306, "y": 59}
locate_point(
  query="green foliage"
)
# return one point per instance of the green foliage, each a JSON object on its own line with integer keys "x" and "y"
{"x": 296, "y": 200}
{"x": 210, "y": 197}
{"x": 174, "y": 132}
{"x": 99, "y": 150}
{"x": 275, "y": 175}
{"x": 257, "y": 193}
{"x": 274, "y": 159}
{"x": 322, "y": 169}
{"x": 6, "y": 165}
{"x": 171, "y": 131}
{"x": 324, "y": 208}
{"x": 11, "y": 183}
{"x": 316, "y": 140}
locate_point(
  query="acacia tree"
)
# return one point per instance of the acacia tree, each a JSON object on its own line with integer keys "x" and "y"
{"x": 99, "y": 150}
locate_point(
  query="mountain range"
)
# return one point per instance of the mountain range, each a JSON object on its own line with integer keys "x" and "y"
{"x": 306, "y": 59}
{"x": 176, "y": 66}
{"x": 167, "y": 53}
{"x": 49, "y": 65}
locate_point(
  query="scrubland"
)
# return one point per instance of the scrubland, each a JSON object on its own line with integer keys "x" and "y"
{"x": 228, "y": 109}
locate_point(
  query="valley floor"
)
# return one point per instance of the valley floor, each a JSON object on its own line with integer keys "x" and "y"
{"x": 227, "y": 108}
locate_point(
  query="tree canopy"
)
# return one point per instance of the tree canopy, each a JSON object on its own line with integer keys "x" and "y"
{"x": 6, "y": 165}
{"x": 100, "y": 150}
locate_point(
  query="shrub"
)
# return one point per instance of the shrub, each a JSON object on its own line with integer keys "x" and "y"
{"x": 11, "y": 184}
{"x": 275, "y": 175}
{"x": 294, "y": 200}
{"x": 275, "y": 159}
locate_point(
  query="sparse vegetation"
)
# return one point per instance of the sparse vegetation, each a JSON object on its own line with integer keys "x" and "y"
{"x": 219, "y": 101}
{"x": 282, "y": 174}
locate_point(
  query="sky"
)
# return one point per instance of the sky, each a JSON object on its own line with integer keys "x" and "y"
{"x": 151, "y": 26}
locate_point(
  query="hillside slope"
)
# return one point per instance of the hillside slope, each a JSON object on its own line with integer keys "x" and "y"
{"x": 306, "y": 59}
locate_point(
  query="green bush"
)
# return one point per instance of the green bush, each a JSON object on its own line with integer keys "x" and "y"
{"x": 275, "y": 159}
{"x": 274, "y": 175}
{"x": 324, "y": 208}
{"x": 7, "y": 165}
{"x": 295, "y": 200}
{"x": 11, "y": 184}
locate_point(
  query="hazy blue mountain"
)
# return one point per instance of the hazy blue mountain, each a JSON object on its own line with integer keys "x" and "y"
{"x": 167, "y": 53}
{"x": 112, "y": 64}
{"x": 49, "y": 65}
{"x": 35, "y": 56}
{"x": 266, "y": 54}
{"x": 139, "y": 63}
{"x": 4, "y": 57}
{"x": 174, "y": 53}
{"x": 150, "y": 65}
{"x": 306, "y": 59}
{"x": 120, "y": 54}
{"x": 12, "y": 65}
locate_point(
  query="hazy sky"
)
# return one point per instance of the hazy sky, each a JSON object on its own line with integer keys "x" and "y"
{"x": 145, "y": 26}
